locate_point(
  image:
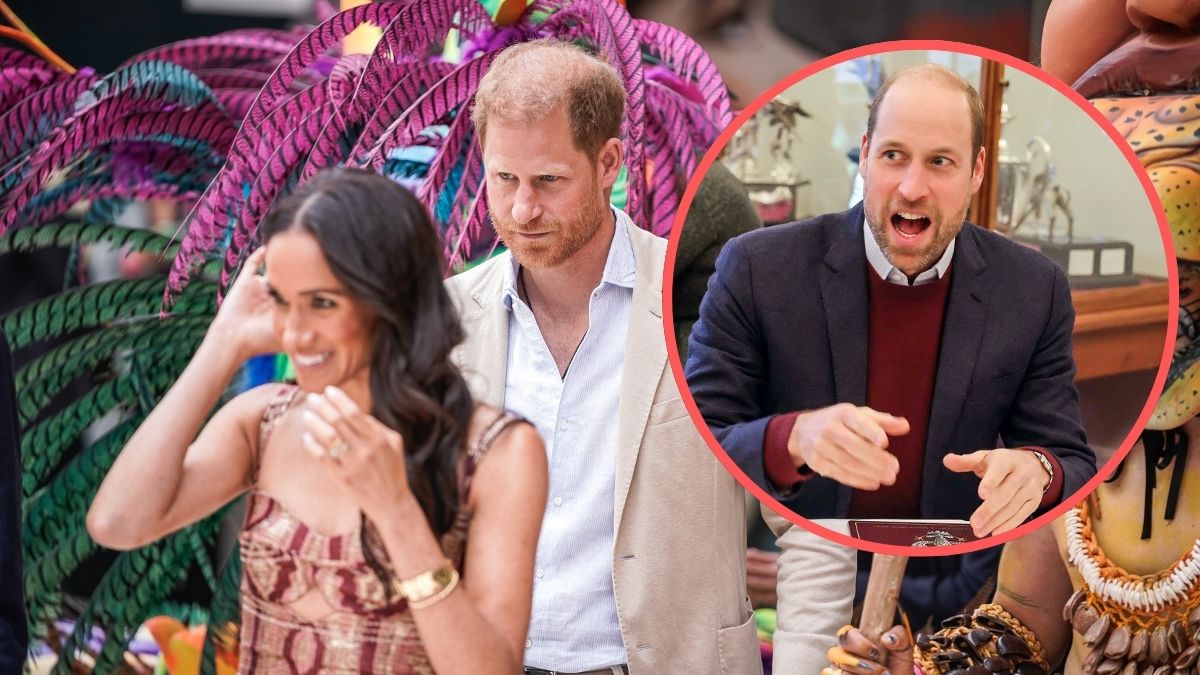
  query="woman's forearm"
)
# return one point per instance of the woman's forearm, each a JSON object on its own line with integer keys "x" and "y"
{"x": 141, "y": 486}
{"x": 413, "y": 549}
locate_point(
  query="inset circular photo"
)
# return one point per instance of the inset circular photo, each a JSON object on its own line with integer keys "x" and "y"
{"x": 922, "y": 296}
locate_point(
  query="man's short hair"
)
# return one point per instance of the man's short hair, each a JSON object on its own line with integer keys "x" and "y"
{"x": 528, "y": 81}
{"x": 933, "y": 72}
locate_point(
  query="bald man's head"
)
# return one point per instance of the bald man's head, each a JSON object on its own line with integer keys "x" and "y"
{"x": 929, "y": 72}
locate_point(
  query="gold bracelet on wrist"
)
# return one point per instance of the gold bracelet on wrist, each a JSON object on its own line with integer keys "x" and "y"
{"x": 428, "y": 587}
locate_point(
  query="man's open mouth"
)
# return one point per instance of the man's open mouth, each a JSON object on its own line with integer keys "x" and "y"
{"x": 909, "y": 225}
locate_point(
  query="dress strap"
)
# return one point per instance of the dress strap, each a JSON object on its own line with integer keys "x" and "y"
{"x": 280, "y": 402}
{"x": 480, "y": 448}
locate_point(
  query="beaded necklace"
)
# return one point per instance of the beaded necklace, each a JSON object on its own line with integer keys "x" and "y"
{"x": 1129, "y": 618}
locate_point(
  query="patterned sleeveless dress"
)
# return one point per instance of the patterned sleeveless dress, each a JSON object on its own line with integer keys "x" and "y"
{"x": 283, "y": 560}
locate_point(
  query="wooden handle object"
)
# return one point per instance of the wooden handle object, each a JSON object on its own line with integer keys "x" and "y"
{"x": 883, "y": 591}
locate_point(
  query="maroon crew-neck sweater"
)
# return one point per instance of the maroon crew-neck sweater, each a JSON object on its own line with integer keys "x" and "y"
{"x": 905, "y": 332}
{"x": 904, "y": 329}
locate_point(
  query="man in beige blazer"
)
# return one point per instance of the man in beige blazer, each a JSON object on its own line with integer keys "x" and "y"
{"x": 641, "y": 560}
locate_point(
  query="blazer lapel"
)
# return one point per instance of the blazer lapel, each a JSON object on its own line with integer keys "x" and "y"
{"x": 483, "y": 356}
{"x": 645, "y": 358}
{"x": 962, "y": 333}
{"x": 843, "y": 284}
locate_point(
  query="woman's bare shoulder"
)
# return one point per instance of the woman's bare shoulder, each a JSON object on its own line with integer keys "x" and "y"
{"x": 513, "y": 455}
{"x": 518, "y": 432}
{"x": 249, "y": 408}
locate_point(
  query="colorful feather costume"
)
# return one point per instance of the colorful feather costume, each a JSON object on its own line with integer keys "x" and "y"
{"x": 225, "y": 125}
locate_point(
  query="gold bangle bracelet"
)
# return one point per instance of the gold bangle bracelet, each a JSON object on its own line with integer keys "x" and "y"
{"x": 428, "y": 587}
{"x": 421, "y": 603}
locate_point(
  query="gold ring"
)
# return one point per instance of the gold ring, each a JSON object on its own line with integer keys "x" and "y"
{"x": 338, "y": 449}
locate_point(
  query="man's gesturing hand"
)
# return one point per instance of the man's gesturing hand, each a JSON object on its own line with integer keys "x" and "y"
{"x": 848, "y": 444}
{"x": 1011, "y": 486}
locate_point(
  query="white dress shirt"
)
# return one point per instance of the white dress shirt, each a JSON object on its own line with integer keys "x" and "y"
{"x": 574, "y": 625}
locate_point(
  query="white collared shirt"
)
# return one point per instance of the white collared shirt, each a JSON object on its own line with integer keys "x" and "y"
{"x": 574, "y": 625}
{"x": 890, "y": 273}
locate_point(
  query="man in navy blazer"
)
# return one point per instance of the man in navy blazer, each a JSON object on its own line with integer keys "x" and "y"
{"x": 13, "y": 632}
{"x": 893, "y": 360}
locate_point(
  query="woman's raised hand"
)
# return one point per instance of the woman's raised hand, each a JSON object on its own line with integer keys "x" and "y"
{"x": 245, "y": 317}
{"x": 366, "y": 455}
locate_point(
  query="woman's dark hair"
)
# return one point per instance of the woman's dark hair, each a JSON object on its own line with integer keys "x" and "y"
{"x": 380, "y": 243}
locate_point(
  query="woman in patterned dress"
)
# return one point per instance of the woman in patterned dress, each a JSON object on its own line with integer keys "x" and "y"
{"x": 366, "y": 475}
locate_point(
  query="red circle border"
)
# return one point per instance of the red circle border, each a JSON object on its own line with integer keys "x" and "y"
{"x": 673, "y": 246}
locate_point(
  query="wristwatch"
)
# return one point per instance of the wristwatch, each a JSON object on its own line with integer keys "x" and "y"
{"x": 1041, "y": 457}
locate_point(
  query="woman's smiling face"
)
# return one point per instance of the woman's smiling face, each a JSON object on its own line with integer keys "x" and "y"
{"x": 327, "y": 332}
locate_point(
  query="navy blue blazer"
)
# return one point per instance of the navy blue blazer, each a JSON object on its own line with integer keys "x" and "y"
{"x": 783, "y": 327}
{"x": 14, "y": 636}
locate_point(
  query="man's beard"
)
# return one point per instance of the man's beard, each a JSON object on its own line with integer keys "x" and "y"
{"x": 944, "y": 230}
{"x": 565, "y": 237}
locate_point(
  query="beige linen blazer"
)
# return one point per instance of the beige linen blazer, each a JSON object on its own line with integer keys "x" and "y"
{"x": 678, "y": 559}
